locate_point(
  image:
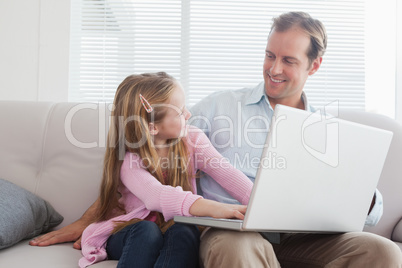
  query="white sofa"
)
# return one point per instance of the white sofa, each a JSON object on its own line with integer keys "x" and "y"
{"x": 55, "y": 150}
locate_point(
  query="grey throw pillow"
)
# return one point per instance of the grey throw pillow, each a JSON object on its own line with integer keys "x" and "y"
{"x": 23, "y": 214}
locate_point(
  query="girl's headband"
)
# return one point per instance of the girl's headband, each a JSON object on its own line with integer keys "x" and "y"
{"x": 146, "y": 104}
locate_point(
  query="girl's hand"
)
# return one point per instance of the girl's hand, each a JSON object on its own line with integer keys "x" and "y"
{"x": 210, "y": 208}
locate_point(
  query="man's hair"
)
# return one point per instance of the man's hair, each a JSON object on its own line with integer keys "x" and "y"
{"x": 312, "y": 27}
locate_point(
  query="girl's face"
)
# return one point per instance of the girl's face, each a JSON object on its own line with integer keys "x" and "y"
{"x": 173, "y": 124}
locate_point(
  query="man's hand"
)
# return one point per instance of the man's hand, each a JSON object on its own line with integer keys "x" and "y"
{"x": 68, "y": 233}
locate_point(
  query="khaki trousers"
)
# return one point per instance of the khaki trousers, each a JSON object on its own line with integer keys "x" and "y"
{"x": 224, "y": 248}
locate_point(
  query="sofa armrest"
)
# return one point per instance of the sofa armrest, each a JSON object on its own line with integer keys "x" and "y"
{"x": 397, "y": 233}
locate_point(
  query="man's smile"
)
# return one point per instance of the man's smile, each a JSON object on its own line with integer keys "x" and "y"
{"x": 276, "y": 80}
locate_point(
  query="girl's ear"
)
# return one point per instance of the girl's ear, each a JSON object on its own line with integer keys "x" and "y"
{"x": 153, "y": 129}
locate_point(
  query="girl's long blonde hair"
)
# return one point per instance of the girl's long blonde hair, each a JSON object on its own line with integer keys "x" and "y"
{"x": 129, "y": 132}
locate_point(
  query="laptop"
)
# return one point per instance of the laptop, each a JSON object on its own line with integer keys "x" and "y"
{"x": 317, "y": 173}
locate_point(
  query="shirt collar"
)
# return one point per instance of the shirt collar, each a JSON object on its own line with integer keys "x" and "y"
{"x": 307, "y": 106}
{"x": 258, "y": 93}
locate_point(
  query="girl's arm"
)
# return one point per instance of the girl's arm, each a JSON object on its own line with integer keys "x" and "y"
{"x": 210, "y": 208}
{"x": 209, "y": 160}
{"x": 171, "y": 201}
{"x": 168, "y": 200}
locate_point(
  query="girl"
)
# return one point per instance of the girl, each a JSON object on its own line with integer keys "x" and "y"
{"x": 149, "y": 177}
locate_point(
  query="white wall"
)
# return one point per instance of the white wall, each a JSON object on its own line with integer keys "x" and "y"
{"x": 34, "y": 49}
{"x": 399, "y": 63}
{"x": 381, "y": 56}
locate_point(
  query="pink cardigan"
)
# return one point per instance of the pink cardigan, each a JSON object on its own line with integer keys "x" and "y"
{"x": 142, "y": 193}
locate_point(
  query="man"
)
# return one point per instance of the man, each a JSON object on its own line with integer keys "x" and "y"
{"x": 294, "y": 51}
{"x": 295, "y": 47}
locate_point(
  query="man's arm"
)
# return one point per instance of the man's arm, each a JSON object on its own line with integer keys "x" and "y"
{"x": 69, "y": 233}
{"x": 372, "y": 204}
{"x": 376, "y": 209}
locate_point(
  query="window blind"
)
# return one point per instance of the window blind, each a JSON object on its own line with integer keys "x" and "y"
{"x": 207, "y": 45}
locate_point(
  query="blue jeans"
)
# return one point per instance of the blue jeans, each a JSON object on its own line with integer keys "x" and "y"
{"x": 142, "y": 244}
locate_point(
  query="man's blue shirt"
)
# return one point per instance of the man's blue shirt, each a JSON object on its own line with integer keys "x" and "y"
{"x": 237, "y": 124}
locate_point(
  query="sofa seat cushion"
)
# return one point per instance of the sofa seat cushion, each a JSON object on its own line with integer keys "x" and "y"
{"x": 64, "y": 255}
{"x": 397, "y": 232}
{"x": 23, "y": 214}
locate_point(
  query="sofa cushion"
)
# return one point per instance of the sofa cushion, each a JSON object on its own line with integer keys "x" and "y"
{"x": 397, "y": 233}
{"x": 23, "y": 214}
{"x": 22, "y": 255}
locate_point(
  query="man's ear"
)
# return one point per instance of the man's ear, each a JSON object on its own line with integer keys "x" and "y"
{"x": 153, "y": 129}
{"x": 315, "y": 65}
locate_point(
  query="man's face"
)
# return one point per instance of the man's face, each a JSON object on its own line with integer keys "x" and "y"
{"x": 286, "y": 66}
